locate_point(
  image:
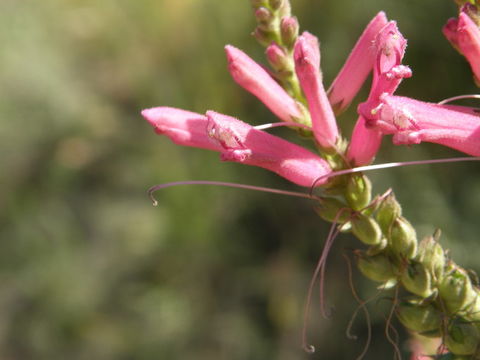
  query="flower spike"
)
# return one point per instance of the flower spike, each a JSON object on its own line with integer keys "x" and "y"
{"x": 464, "y": 35}
{"x": 307, "y": 67}
{"x": 239, "y": 142}
{"x": 256, "y": 80}
{"x": 357, "y": 67}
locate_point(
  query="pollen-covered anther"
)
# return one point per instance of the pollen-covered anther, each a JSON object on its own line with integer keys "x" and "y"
{"x": 222, "y": 136}
{"x": 399, "y": 72}
{"x": 237, "y": 155}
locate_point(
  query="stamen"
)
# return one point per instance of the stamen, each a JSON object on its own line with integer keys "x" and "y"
{"x": 282, "y": 123}
{"x": 389, "y": 327}
{"x": 154, "y": 188}
{"x": 459, "y": 97}
{"x": 362, "y": 305}
{"x": 319, "y": 270}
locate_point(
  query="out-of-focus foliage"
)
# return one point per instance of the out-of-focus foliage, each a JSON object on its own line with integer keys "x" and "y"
{"x": 90, "y": 270}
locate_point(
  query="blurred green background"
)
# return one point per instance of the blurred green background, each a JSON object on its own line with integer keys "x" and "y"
{"x": 90, "y": 270}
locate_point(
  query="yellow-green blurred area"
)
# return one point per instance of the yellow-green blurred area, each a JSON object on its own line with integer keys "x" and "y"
{"x": 89, "y": 269}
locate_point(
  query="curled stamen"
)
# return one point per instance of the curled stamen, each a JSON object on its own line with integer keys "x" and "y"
{"x": 154, "y": 188}
{"x": 459, "y": 97}
{"x": 319, "y": 270}
{"x": 362, "y": 305}
{"x": 389, "y": 165}
{"x": 282, "y": 123}
{"x": 389, "y": 327}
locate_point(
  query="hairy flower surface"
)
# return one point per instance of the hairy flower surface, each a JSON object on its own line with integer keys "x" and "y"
{"x": 412, "y": 121}
{"x": 307, "y": 67}
{"x": 255, "y": 79}
{"x": 239, "y": 142}
{"x": 464, "y": 35}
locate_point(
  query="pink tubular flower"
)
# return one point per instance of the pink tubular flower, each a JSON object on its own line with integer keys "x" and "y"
{"x": 357, "y": 67}
{"x": 464, "y": 35}
{"x": 307, "y": 67}
{"x": 255, "y": 79}
{"x": 239, "y": 142}
{"x": 388, "y": 72}
{"x": 412, "y": 121}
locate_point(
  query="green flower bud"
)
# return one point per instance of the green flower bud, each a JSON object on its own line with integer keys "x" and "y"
{"x": 276, "y": 4}
{"x": 377, "y": 268}
{"x": 473, "y": 312}
{"x": 419, "y": 318}
{"x": 366, "y": 229}
{"x": 403, "y": 238}
{"x": 388, "y": 210}
{"x": 263, "y": 37}
{"x": 418, "y": 280}
{"x": 330, "y": 207}
{"x": 431, "y": 255}
{"x": 457, "y": 291}
{"x": 257, "y": 3}
{"x": 462, "y": 338}
{"x": 358, "y": 191}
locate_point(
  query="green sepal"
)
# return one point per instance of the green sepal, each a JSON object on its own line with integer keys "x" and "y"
{"x": 403, "y": 238}
{"x": 432, "y": 256}
{"x": 388, "y": 210}
{"x": 358, "y": 191}
{"x": 419, "y": 318}
{"x": 462, "y": 337}
{"x": 377, "y": 267}
{"x": 457, "y": 291}
{"x": 329, "y": 209}
{"x": 366, "y": 229}
{"x": 418, "y": 280}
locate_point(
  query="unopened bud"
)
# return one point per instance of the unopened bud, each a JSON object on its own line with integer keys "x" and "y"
{"x": 403, "y": 238}
{"x": 457, "y": 291}
{"x": 366, "y": 229}
{"x": 462, "y": 338}
{"x": 419, "y": 318}
{"x": 278, "y": 59}
{"x": 358, "y": 191}
{"x": 263, "y": 15}
{"x": 431, "y": 255}
{"x": 377, "y": 267}
{"x": 418, "y": 280}
{"x": 388, "y": 210}
{"x": 289, "y": 31}
{"x": 330, "y": 209}
{"x": 263, "y": 37}
{"x": 276, "y": 4}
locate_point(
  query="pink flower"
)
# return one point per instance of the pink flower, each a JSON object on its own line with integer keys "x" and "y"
{"x": 307, "y": 67}
{"x": 464, "y": 35}
{"x": 412, "y": 121}
{"x": 388, "y": 72}
{"x": 357, "y": 67}
{"x": 239, "y": 142}
{"x": 255, "y": 79}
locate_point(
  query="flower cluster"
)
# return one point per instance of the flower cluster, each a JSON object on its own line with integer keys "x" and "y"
{"x": 379, "y": 50}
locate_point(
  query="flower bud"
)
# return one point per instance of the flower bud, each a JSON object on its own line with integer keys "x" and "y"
{"x": 457, "y": 291}
{"x": 263, "y": 16}
{"x": 418, "y": 280}
{"x": 277, "y": 58}
{"x": 263, "y": 37}
{"x": 388, "y": 210}
{"x": 276, "y": 4}
{"x": 462, "y": 338}
{"x": 377, "y": 267}
{"x": 366, "y": 229}
{"x": 419, "y": 318}
{"x": 358, "y": 191}
{"x": 329, "y": 209}
{"x": 289, "y": 31}
{"x": 403, "y": 238}
{"x": 431, "y": 255}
